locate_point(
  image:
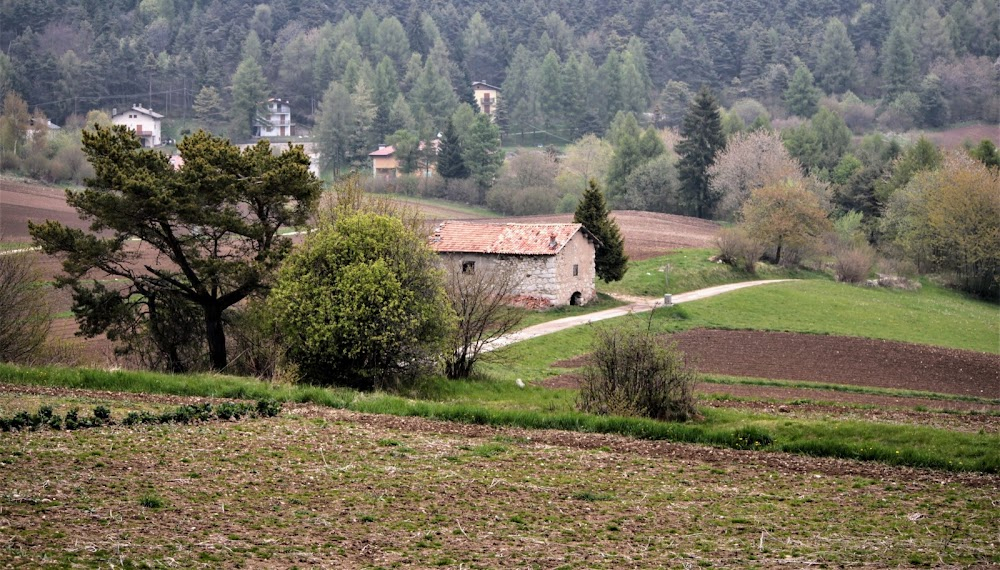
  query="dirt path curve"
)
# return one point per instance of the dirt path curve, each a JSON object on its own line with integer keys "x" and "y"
{"x": 638, "y": 306}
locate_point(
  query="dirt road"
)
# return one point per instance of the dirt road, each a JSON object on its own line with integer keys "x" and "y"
{"x": 640, "y": 306}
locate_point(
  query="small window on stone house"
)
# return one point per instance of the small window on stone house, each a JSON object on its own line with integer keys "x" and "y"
{"x": 576, "y": 270}
{"x": 469, "y": 267}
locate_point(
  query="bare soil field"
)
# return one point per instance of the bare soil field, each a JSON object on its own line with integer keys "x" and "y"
{"x": 323, "y": 488}
{"x": 843, "y": 361}
{"x": 21, "y": 201}
{"x": 837, "y": 360}
{"x": 648, "y": 234}
{"x": 954, "y": 138}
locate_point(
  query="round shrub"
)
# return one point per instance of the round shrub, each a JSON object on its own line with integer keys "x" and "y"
{"x": 362, "y": 304}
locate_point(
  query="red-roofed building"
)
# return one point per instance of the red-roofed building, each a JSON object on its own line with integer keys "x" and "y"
{"x": 553, "y": 262}
{"x": 384, "y": 163}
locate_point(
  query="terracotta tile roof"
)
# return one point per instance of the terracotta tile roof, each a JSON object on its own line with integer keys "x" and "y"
{"x": 383, "y": 151}
{"x": 509, "y": 239}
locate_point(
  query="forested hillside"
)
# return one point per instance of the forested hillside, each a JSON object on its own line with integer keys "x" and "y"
{"x": 566, "y": 66}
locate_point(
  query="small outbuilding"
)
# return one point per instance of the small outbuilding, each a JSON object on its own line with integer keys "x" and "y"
{"x": 553, "y": 264}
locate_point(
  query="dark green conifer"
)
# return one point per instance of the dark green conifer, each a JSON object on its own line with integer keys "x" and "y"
{"x": 611, "y": 262}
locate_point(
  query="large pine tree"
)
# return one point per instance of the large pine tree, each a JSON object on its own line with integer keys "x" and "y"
{"x": 703, "y": 141}
{"x": 611, "y": 261}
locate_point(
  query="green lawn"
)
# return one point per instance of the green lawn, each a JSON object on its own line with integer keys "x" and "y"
{"x": 692, "y": 269}
{"x": 931, "y": 315}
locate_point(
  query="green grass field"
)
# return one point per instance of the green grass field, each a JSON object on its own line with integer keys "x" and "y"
{"x": 692, "y": 269}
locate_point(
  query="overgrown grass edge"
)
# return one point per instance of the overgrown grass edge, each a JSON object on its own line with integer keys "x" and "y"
{"x": 742, "y": 437}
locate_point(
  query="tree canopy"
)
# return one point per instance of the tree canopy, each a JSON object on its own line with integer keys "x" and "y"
{"x": 363, "y": 304}
{"x": 213, "y": 225}
{"x": 703, "y": 140}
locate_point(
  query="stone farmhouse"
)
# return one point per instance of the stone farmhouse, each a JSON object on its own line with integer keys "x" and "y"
{"x": 143, "y": 121}
{"x": 276, "y": 121}
{"x": 553, "y": 263}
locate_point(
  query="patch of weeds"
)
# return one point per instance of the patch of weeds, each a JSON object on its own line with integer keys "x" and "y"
{"x": 750, "y": 438}
{"x": 518, "y": 519}
{"x": 511, "y": 439}
{"x": 389, "y": 442}
{"x": 592, "y": 496}
{"x": 367, "y": 518}
{"x": 489, "y": 450}
{"x": 152, "y": 501}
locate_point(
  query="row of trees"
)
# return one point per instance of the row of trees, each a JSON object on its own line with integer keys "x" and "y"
{"x": 563, "y": 70}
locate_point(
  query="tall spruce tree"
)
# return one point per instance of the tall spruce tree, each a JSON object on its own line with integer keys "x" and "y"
{"x": 450, "y": 164}
{"x": 703, "y": 140}
{"x": 802, "y": 96}
{"x": 611, "y": 262}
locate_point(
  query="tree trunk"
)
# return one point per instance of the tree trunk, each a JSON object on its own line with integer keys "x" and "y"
{"x": 216, "y": 336}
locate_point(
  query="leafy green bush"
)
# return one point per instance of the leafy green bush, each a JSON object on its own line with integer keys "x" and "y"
{"x": 362, "y": 304}
{"x": 632, "y": 375}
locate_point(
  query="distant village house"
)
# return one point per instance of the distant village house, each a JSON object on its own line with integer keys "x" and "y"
{"x": 386, "y": 164}
{"x": 143, "y": 121}
{"x": 276, "y": 122}
{"x": 553, "y": 263}
{"x": 486, "y": 96}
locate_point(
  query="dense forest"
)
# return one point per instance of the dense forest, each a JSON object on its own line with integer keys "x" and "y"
{"x": 566, "y": 67}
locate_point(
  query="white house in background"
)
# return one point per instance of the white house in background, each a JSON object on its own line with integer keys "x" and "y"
{"x": 143, "y": 121}
{"x": 553, "y": 263}
{"x": 276, "y": 121}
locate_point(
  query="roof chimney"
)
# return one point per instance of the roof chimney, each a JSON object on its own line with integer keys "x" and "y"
{"x": 552, "y": 241}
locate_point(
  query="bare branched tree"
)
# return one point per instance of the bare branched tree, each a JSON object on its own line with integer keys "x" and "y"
{"x": 25, "y": 313}
{"x": 481, "y": 299}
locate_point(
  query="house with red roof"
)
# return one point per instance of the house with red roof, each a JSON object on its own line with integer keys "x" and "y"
{"x": 553, "y": 263}
{"x": 384, "y": 162}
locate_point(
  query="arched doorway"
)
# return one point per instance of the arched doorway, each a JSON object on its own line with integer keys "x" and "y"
{"x": 576, "y": 298}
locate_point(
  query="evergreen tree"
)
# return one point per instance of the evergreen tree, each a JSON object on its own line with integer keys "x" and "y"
{"x": 933, "y": 105}
{"x": 611, "y": 262}
{"x": 550, "y": 91}
{"x": 335, "y": 125}
{"x": 208, "y": 106}
{"x": 574, "y": 98}
{"x": 450, "y": 164}
{"x": 482, "y": 153}
{"x": 837, "y": 63}
{"x": 898, "y": 64}
{"x": 249, "y": 93}
{"x": 703, "y": 140}
{"x": 433, "y": 98}
{"x": 500, "y": 117}
{"x": 238, "y": 198}
{"x": 987, "y": 153}
{"x": 802, "y": 96}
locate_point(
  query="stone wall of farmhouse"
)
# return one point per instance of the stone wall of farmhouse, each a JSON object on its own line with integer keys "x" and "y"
{"x": 545, "y": 280}
{"x": 579, "y": 252}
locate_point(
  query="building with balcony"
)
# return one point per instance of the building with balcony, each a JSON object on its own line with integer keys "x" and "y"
{"x": 276, "y": 121}
{"x": 143, "y": 121}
